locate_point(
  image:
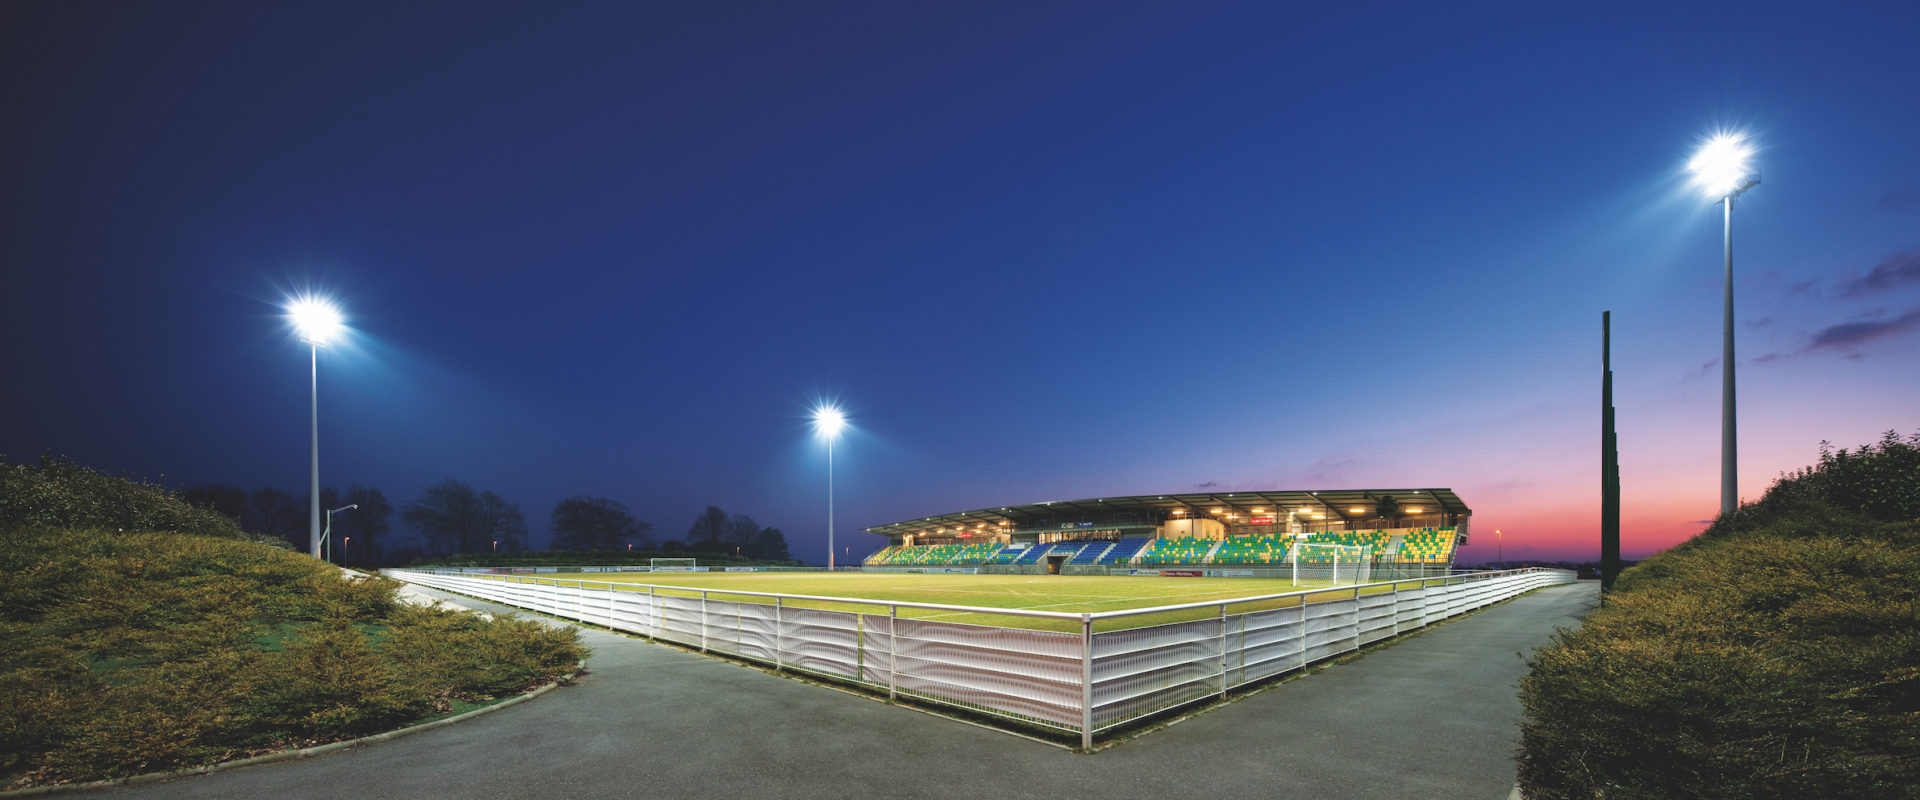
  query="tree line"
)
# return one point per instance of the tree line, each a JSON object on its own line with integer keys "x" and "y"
{"x": 452, "y": 517}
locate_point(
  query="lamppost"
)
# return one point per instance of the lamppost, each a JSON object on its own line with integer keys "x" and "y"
{"x": 317, "y": 321}
{"x": 327, "y": 535}
{"x": 1500, "y": 546}
{"x": 828, "y": 420}
{"x": 1720, "y": 169}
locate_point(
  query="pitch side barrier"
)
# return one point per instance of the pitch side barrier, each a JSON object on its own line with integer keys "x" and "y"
{"x": 1082, "y": 682}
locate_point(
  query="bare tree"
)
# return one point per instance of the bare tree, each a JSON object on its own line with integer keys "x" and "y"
{"x": 709, "y": 531}
{"x": 276, "y": 513}
{"x": 362, "y": 530}
{"x": 742, "y": 531}
{"x": 596, "y": 523}
{"x": 455, "y": 518}
{"x": 228, "y": 500}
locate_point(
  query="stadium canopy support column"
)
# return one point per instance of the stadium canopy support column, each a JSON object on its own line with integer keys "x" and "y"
{"x": 1609, "y": 463}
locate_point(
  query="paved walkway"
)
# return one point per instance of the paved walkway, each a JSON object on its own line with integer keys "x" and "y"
{"x": 1433, "y": 717}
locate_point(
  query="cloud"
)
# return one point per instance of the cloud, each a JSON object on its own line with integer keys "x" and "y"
{"x": 1207, "y": 485}
{"x": 1848, "y": 335}
{"x": 1900, "y": 270}
{"x": 1704, "y": 370}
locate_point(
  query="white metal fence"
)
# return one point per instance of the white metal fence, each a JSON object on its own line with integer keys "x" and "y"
{"x": 1085, "y": 682}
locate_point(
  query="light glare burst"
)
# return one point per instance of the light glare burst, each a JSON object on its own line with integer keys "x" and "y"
{"x": 316, "y": 320}
{"x": 1720, "y": 166}
{"x": 829, "y": 420}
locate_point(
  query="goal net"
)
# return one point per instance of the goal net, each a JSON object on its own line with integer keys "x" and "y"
{"x": 1333, "y": 564}
{"x": 674, "y": 565}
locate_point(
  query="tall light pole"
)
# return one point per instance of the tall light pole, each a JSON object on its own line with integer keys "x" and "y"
{"x": 1720, "y": 169}
{"x": 828, "y": 420}
{"x": 317, "y": 321}
{"x": 1500, "y": 544}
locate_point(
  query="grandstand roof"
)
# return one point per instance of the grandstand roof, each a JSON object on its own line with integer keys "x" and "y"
{"x": 1152, "y": 509}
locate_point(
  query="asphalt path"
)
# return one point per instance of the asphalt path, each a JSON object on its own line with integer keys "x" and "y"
{"x": 1432, "y": 716}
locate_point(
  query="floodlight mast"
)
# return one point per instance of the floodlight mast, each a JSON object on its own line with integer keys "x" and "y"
{"x": 1721, "y": 169}
{"x": 317, "y": 321}
{"x": 829, "y": 420}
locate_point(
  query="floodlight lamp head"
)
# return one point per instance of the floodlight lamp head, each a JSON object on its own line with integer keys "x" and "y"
{"x": 829, "y": 420}
{"x": 1720, "y": 167}
{"x": 316, "y": 320}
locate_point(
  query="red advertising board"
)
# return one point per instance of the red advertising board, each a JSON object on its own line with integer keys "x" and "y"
{"x": 1260, "y": 521}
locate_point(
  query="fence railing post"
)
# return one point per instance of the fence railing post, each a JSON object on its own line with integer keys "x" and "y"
{"x": 1086, "y": 682}
{"x": 779, "y": 644}
{"x": 893, "y": 650}
{"x": 703, "y": 621}
{"x": 653, "y": 614}
{"x": 1223, "y": 649}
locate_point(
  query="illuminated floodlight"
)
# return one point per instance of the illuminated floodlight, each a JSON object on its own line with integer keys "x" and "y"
{"x": 829, "y": 420}
{"x": 316, "y": 320}
{"x": 1721, "y": 167}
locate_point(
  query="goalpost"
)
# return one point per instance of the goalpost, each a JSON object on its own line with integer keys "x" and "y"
{"x": 674, "y": 565}
{"x": 1336, "y": 564}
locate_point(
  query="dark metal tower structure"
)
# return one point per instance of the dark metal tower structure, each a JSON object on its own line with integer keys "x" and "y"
{"x": 1609, "y": 464}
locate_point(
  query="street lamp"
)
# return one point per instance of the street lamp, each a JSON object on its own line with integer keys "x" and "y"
{"x": 1500, "y": 545}
{"x": 1721, "y": 170}
{"x": 828, "y": 420}
{"x": 327, "y": 535}
{"x": 316, "y": 320}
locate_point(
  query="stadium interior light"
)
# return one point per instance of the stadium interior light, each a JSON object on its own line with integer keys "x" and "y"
{"x": 1356, "y": 510}
{"x": 1722, "y": 168}
{"x": 1413, "y": 509}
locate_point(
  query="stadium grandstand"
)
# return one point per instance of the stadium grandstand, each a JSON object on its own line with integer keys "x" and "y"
{"x": 1403, "y": 532}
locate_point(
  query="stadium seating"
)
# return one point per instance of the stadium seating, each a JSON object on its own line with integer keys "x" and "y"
{"x": 1376, "y": 541}
{"x": 1269, "y": 549}
{"x": 976, "y": 553}
{"x": 1033, "y": 554}
{"x": 1091, "y": 553}
{"x": 1428, "y": 546}
{"x": 935, "y": 554}
{"x": 1124, "y": 550}
{"x": 1006, "y": 555}
{"x": 1177, "y": 551}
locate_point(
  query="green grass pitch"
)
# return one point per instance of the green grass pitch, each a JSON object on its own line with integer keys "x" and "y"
{"x": 1060, "y": 593}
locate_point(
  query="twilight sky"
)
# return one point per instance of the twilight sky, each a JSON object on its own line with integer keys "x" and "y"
{"x": 1038, "y": 250}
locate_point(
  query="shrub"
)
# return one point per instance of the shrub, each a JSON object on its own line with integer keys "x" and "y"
{"x": 1775, "y": 655}
{"x": 57, "y": 493}
{"x": 131, "y": 651}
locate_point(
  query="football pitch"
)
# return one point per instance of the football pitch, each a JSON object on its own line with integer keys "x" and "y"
{"x": 1073, "y": 594}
